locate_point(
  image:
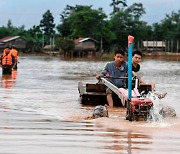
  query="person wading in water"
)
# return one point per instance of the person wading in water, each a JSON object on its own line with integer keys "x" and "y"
{"x": 7, "y": 61}
{"x": 14, "y": 52}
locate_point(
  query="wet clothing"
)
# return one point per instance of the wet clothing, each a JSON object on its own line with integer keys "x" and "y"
{"x": 7, "y": 70}
{"x": 7, "y": 62}
{"x": 136, "y": 69}
{"x": 14, "y": 52}
{"x": 115, "y": 72}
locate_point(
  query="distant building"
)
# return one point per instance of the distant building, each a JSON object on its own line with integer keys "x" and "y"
{"x": 154, "y": 45}
{"x": 16, "y": 41}
{"x": 85, "y": 46}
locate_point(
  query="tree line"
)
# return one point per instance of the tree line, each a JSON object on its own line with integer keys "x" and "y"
{"x": 110, "y": 31}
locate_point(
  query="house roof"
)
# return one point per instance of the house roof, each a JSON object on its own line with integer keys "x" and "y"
{"x": 8, "y": 38}
{"x": 76, "y": 41}
{"x": 86, "y": 39}
{"x": 79, "y": 40}
{"x": 154, "y": 44}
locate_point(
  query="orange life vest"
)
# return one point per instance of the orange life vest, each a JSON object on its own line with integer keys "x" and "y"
{"x": 7, "y": 59}
{"x": 15, "y": 53}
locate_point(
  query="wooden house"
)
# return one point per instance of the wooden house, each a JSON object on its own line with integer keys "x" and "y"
{"x": 85, "y": 46}
{"x": 154, "y": 45}
{"x": 16, "y": 41}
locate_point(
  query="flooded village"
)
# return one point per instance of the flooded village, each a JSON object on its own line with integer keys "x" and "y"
{"x": 91, "y": 82}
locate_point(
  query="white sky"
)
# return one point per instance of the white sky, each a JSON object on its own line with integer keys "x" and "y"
{"x": 29, "y": 12}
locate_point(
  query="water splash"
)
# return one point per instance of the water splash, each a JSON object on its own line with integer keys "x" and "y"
{"x": 155, "y": 115}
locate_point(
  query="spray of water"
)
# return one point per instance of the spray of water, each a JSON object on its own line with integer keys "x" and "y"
{"x": 155, "y": 115}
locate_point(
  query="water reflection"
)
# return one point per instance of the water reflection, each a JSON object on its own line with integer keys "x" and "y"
{"x": 8, "y": 81}
{"x": 127, "y": 141}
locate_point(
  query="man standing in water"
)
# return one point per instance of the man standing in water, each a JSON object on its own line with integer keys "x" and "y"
{"x": 114, "y": 70}
{"x": 7, "y": 61}
{"x": 14, "y": 52}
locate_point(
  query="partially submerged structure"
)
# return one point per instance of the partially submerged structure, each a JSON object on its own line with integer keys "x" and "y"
{"x": 16, "y": 41}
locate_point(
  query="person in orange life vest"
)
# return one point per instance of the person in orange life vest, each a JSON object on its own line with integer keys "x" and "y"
{"x": 14, "y": 52}
{"x": 7, "y": 61}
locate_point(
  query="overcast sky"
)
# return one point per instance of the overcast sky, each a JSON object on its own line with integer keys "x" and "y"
{"x": 29, "y": 12}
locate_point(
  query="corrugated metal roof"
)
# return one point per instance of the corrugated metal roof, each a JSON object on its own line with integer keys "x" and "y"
{"x": 88, "y": 38}
{"x": 79, "y": 40}
{"x": 8, "y": 38}
{"x": 76, "y": 41}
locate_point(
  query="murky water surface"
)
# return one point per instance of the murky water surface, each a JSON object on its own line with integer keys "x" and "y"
{"x": 40, "y": 111}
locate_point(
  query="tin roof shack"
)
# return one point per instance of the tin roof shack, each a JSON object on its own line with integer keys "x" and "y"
{"x": 154, "y": 46}
{"x": 85, "y": 46}
{"x": 16, "y": 41}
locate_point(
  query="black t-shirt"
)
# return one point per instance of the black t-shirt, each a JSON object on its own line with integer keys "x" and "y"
{"x": 136, "y": 69}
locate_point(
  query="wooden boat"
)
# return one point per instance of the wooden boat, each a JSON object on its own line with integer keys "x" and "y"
{"x": 138, "y": 107}
{"x": 95, "y": 94}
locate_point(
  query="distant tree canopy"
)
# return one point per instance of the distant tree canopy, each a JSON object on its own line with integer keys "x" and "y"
{"x": 136, "y": 10}
{"x": 34, "y": 38}
{"x": 118, "y": 5}
{"x": 47, "y": 23}
{"x": 84, "y": 21}
{"x": 168, "y": 28}
{"x": 81, "y": 21}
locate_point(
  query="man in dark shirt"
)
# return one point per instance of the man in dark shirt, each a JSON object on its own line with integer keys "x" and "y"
{"x": 136, "y": 59}
{"x": 137, "y": 55}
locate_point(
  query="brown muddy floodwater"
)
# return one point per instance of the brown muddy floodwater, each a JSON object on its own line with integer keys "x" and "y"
{"x": 40, "y": 111}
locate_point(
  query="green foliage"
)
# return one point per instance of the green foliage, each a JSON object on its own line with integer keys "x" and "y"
{"x": 121, "y": 25}
{"x": 136, "y": 10}
{"x": 83, "y": 21}
{"x": 64, "y": 29}
{"x": 118, "y": 5}
{"x": 169, "y": 28}
{"x": 34, "y": 39}
{"x": 80, "y": 20}
{"x": 47, "y": 23}
{"x": 4, "y": 32}
{"x": 76, "y": 20}
{"x": 65, "y": 44}
{"x": 10, "y": 30}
